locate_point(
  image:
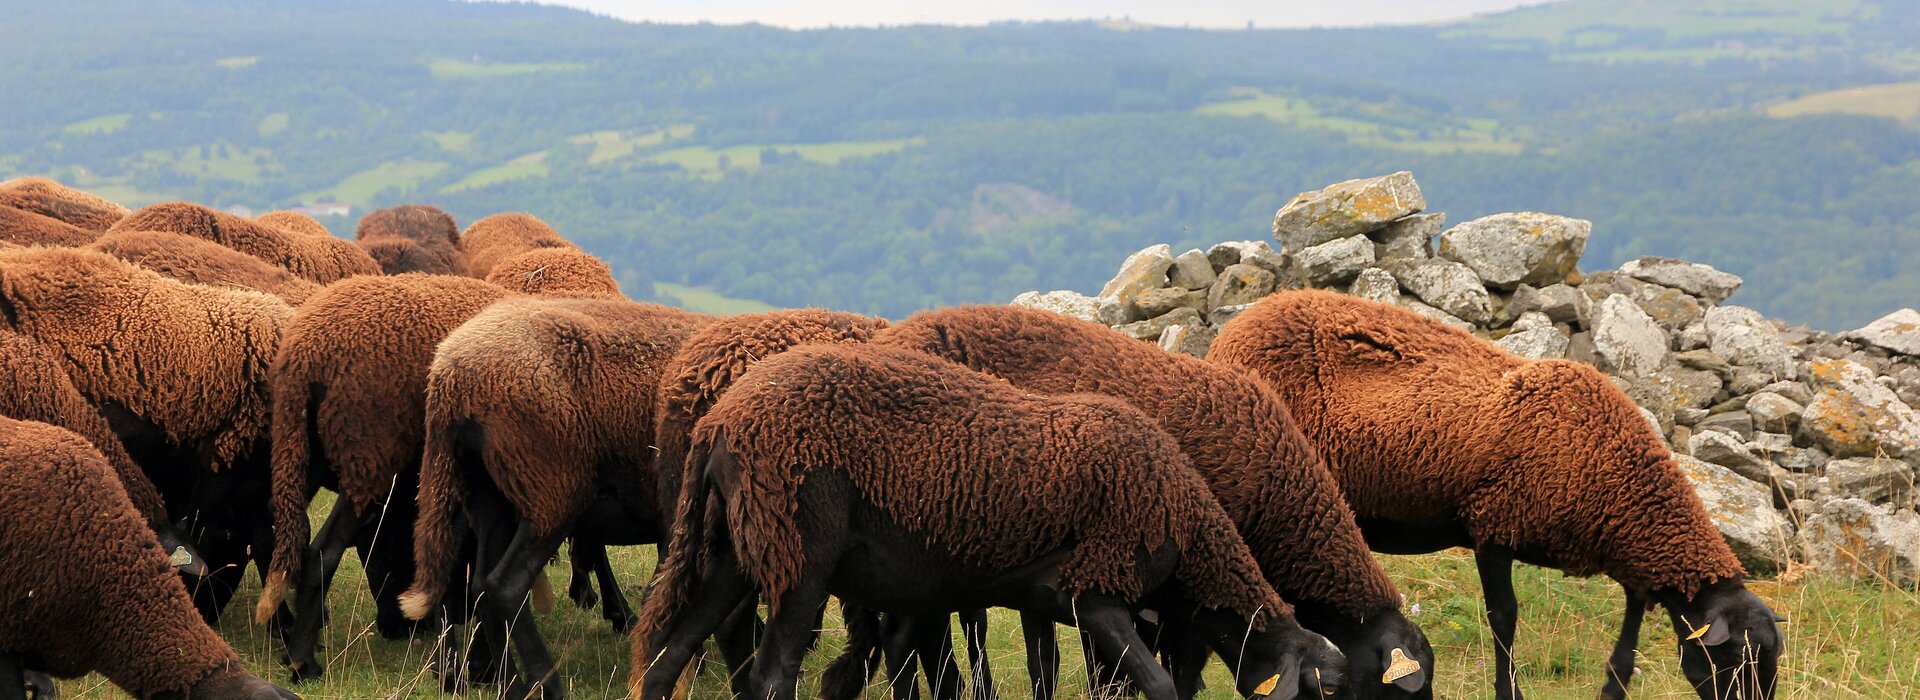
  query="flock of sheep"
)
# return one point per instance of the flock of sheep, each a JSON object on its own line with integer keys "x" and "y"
{"x": 181, "y": 381}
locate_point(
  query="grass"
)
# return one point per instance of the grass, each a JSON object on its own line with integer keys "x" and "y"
{"x": 1469, "y": 136}
{"x": 614, "y": 144}
{"x": 709, "y": 162}
{"x": 454, "y": 68}
{"x": 452, "y": 141}
{"x": 98, "y": 125}
{"x": 221, "y": 161}
{"x": 273, "y": 124}
{"x": 1899, "y": 101}
{"x": 707, "y": 301}
{"x": 237, "y": 62}
{"x": 1574, "y": 24}
{"x": 360, "y": 187}
{"x": 527, "y": 166}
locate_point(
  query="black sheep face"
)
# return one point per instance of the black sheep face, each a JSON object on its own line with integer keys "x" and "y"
{"x": 1729, "y": 643}
{"x": 1391, "y": 659}
{"x": 1283, "y": 662}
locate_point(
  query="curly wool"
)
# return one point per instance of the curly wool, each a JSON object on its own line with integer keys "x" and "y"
{"x": 48, "y": 198}
{"x": 562, "y": 390}
{"x": 188, "y": 359}
{"x": 1230, "y": 424}
{"x": 315, "y": 258}
{"x": 294, "y": 222}
{"x": 398, "y": 256}
{"x": 1424, "y": 422}
{"x": 556, "y": 272}
{"x": 200, "y": 261}
{"x": 433, "y": 233}
{"x": 492, "y": 240}
{"x": 87, "y": 586}
{"x": 26, "y": 228}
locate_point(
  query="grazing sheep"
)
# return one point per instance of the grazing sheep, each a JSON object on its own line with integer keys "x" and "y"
{"x": 1440, "y": 439}
{"x": 179, "y": 371}
{"x": 539, "y": 426}
{"x": 900, "y": 481}
{"x": 321, "y": 260}
{"x": 200, "y": 261}
{"x": 1237, "y": 433}
{"x": 48, "y": 198}
{"x": 38, "y": 389}
{"x": 26, "y": 228}
{"x": 294, "y": 222}
{"x": 413, "y": 238}
{"x": 556, "y": 272}
{"x": 87, "y": 586}
{"x": 496, "y": 238}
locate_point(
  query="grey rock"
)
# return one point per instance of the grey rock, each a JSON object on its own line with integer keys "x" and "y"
{"x": 1626, "y": 340}
{"x": 1188, "y": 339}
{"x": 1773, "y": 411}
{"x": 1143, "y": 270}
{"x": 1852, "y": 538}
{"x": 1240, "y": 284}
{"x": 1896, "y": 332}
{"x": 1064, "y": 302}
{"x": 1695, "y": 279}
{"x": 1447, "y": 319}
{"x": 1408, "y": 238}
{"x": 1735, "y": 422}
{"x": 1854, "y": 416}
{"x": 1702, "y": 360}
{"x": 1151, "y": 329}
{"x": 1743, "y": 512}
{"x": 1336, "y": 261}
{"x": 1745, "y": 338}
{"x": 1679, "y": 436}
{"x": 1154, "y": 302}
{"x": 1672, "y": 308}
{"x": 1221, "y": 316}
{"x": 1346, "y": 209}
{"x": 1689, "y": 416}
{"x": 1526, "y": 247}
{"x": 1581, "y": 348}
{"x": 1747, "y": 380}
{"x": 1538, "y": 343}
{"x": 1375, "y": 284}
{"x": 1191, "y": 270}
{"x": 1792, "y": 391}
{"x": 1654, "y": 421}
{"x": 1802, "y": 459}
{"x": 1872, "y": 480}
{"x": 1557, "y": 301}
{"x": 1531, "y": 320}
{"x": 1728, "y": 451}
{"x": 1447, "y": 285}
{"x": 1692, "y": 337}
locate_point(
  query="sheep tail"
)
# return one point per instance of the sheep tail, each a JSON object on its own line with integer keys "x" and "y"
{"x": 673, "y": 583}
{"x": 292, "y": 441}
{"x": 848, "y": 675}
{"x": 435, "y": 541}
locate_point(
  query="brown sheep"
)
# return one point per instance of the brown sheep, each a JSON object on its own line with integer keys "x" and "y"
{"x": 434, "y": 236}
{"x": 26, "y": 228}
{"x": 87, "y": 586}
{"x": 556, "y": 272}
{"x": 1237, "y": 432}
{"x": 201, "y": 261}
{"x": 179, "y": 371}
{"x": 496, "y": 238}
{"x": 1440, "y": 439}
{"x": 38, "y": 389}
{"x": 321, "y": 260}
{"x": 539, "y": 426}
{"x": 48, "y": 198}
{"x": 901, "y": 481}
{"x": 295, "y": 222}
{"x": 398, "y": 256}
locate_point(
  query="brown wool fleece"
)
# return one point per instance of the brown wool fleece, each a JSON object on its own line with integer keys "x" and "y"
{"x": 492, "y": 240}
{"x": 990, "y": 474}
{"x": 88, "y": 588}
{"x": 48, "y": 198}
{"x": 350, "y": 379}
{"x": 189, "y": 359}
{"x": 200, "y": 261}
{"x": 556, "y": 272}
{"x": 709, "y": 362}
{"x": 434, "y": 233}
{"x": 26, "y": 228}
{"x": 398, "y": 256}
{"x": 38, "y": 389}
{"x": 1230, "y": 424}
{"x": 559, "y": 388}
{"x": 294, "y": 222}
{"x": 318, "y": 259}
{"x": 1424, "y": 422}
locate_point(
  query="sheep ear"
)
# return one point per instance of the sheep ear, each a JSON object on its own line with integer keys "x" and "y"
{"x": 1715, "y": 632}
{"x": 1284, "y": 685}
{"x": 1404, "y": 672}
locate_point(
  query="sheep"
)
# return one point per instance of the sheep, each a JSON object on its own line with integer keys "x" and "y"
{"x": 87, "y": 586}
{"x": 26, "y": 228}
{"x": 491, "y": 240}
{"x": 413, "y": 238}
{"x": 179, "y": 371}
{"x": 1238, "y": 434}
{"x": 315, "y": 258}
{"x": 48, "y": 198}
{"x": 1440, "y": 439}
{"x": 38, "y": 389}
{"x": 851, "y": 468}
{"x": 556, "y": 272}
{"x": 201, "y": 261}
{"x": 539, "y": 425}
{"x": 294, "y": 222}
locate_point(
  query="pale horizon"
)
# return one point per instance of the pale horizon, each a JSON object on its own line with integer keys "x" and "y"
{"x": 1204, "y": 14}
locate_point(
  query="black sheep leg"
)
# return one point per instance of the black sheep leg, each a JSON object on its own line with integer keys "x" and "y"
{"x": 1109, "y": 624}
{"x": 1620, "y": 664}
{"x": 933, "y": 643}
{"x": 720, "y": 590}
{"x": 614, "y": 608}
{"x": 898, "y": 648}
{"x": 322, "y": 560}
{"x": 776, "y": 668}
{"x": 385, "y": 548}
{"x": 1503, "y": 614}
{"x": 1043, "y": 655}
{"x": 580, "y": 585}
{"x": 489, "y": 658}
{"x": 973, "y": 624}
{"x": 13, "y": 679}
{"x": 505, "y": 594}
{"x": 1185, "y": 653}
{"x": 739, "y": 635}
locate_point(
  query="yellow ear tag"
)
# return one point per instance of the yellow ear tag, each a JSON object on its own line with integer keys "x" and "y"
{"x": 1400, "y": 668}
{"x": 1267, "y": 687}
{"x": 180, "y": 557}
{"x": 1702, "y": 632}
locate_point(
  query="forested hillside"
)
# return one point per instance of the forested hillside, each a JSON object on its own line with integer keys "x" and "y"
{"x": 885, "y": 170}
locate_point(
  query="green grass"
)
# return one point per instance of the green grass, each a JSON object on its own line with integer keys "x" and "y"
{"x": 452, "y": 141}
{"x": 219, "y": 161}
{"x": 527, "y": 166}
{"x": 612, "y": 145}
{"x": 273, "y": 124}
{"x": 98, "y": 125}
{"x": 707, "y": 301}
{"x": 237, "y": 62}
{"x": 1472, "y": 135}
{"x": 1572, "y": 23}
{"x": 360, "y": 187}
{"x": 456, "y": 68}
{"x": 706, "y": 161}
{"x": 1899, "y": 101}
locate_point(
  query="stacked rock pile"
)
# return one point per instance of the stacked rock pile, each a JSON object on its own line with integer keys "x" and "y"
{"x": 1801, "y": 442}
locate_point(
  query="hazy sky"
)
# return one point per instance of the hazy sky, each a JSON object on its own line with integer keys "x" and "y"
{"x": 1198, "y": 13}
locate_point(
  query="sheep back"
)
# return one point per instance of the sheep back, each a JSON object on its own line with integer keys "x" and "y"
{"x": 556, "y": 272}
{"x": 200, "y": 261}
{"x": 319, "y": 259}
{"x": 39, "y": 390}
{"x": 48, "y": 198}
{"x": 294, "y": 222}
{"x": 27, "y": 228}
{"x": 493, "y": 239}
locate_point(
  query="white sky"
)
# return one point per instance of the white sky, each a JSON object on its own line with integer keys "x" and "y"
{"x": 1196, "y": 13}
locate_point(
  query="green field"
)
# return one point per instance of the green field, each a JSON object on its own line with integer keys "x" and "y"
{"x": 614, "y": 144}
{"x": 456, "y": 68}
{"x": 98, "y": 125}
{"x": 237, "y": 62}
{"x": 1576, "y": 22}
{"x": 273, "y": 124}
{"x": 1471, "y": 136}
{"x": 706, "y": 161}
{"x": 530, "y": 165}
{"x": 707, "y": 301}
{"x": 360, "y": 187}
{"x": 452, "y": 141}
{"x": 1899, "y": 101}
{"x": 215, "y": 161}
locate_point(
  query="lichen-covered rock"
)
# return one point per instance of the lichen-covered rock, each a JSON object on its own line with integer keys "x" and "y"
{"x": 1507, "y": 250}
{"x": 1728, "y": 451}
{"x": 1735, "y": 422}
{"x": 1142, "y": 271}
{"x": 1446, "y": 285}
{"x": 1872, "y": 480}
{"x": 1375, "y": 284}
{"x": 1672, "y": 308}
{"x": 1557, "y": 301}
{"x": 1538, "y": 343}
{"x": 1855, "y": 539}
{"x": 1190, "y": 339}
{"x": 1852, "y": 415}
{"x": 1336, "y": 261}
{"x": 1774, "y": 412}
{"x": 1693, "y": 337}
{"x": 1745, "y": 338}
{"x": 1897, "y": 332}
{"x": 1064, "y": 302}
{"x": 1346, "y": 209}
{"x": 1220, "y": 316}
{"x": 1151, "y": 329}
{"x": 1702, "y": 281}
{"x": 1743, "y": 512}
{"x": 1227, "y": 253}
{"x": 1191, "y": 270}
{"x": 1240, "y": 284}
{"x": 1625, "y": 339}
{"x": 1159, "y": 301}
{"x": 1409, "y": 238}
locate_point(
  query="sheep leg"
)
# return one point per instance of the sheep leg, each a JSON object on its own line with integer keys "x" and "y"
{"x": 898, "y": 651}
{"x": 1620, "y": 665}
{"x": 580, "y": 587}
{"x": 737, "y": 638}
{"x": 1043, "y": 655}
{"x": 1503, "y": 614}
{"x": 776, "y": 667}
{"x": 1110, "y": 625}
{"x": 973, "y": 624}
{"x": 489, "y": 517}
{"x": 310, "y": 598}
{"x": 1104, "y": 676}
{"x": 1184, "y": 653}
{"x": 615, "y": 608}
{"x": 719, "y": 592}
{"x": 13, "y": 679}
{"x": 385, "y": 548}
{"x": 933, "y": 641}
{"x": 506, "y": 589}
